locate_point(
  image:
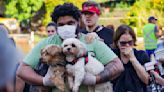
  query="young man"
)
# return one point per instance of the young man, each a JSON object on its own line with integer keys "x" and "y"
{"x": 90, "y": 15}
{"x": 67, "y": 18}
{"x": 151, "y": 34}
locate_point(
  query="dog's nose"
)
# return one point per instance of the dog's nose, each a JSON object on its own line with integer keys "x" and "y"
{"x": 68, "y": 49}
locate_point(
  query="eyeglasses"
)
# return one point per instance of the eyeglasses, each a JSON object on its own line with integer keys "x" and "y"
{"x": 123, "y": 43}
{"x": 50, "y": 31}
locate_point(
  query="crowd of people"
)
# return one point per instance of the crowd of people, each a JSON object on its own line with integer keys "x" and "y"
{"x": 114, "y": 48}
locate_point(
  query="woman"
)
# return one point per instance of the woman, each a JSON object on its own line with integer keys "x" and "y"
{"x": 134, "y": 78}
{"x": 51, "y": 28}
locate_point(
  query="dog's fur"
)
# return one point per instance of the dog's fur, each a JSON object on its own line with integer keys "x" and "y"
{"x": 75, "y": 50}
{"x": 53, "y": 56}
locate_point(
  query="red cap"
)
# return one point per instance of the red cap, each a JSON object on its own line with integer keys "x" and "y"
{"x": 92, "y": 9}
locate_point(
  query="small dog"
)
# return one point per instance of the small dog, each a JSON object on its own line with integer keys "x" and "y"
{"x": 54, "y": 57}
{"x": 76, "y": 56}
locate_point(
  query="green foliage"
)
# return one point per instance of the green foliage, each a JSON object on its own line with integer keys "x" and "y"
{"x": 122, "y": 5}
{"x": 141, "y": 10}
{"x": 22, "y": 9}
{"x": 50, "y": 4}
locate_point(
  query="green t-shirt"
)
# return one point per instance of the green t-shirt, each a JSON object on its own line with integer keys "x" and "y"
{"x": 103, "y": 53}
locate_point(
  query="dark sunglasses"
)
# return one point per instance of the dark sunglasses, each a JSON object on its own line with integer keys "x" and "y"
{"x": 123, "y": 43}
{"x": 50, "y": 31}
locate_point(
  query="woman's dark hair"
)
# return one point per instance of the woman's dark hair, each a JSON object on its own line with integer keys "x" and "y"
{"x": 123, "y": 29}
{"x": 52, "y": 24}
{"x": 64, "y": 10}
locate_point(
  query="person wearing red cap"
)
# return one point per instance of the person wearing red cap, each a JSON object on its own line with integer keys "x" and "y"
{"x": 90, "y": 15}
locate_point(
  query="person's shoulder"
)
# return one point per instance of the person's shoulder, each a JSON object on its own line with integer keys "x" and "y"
{"x": 139, "y": 52}
{"x": 116, "y": 51}
{"x": 106, "y": 29}
{"x": 48, "y": 40}
{"x": 84, "y": 31}
{"x": 53, "y": 38}
{"x": 148, "y": 24}
{"x": 141, "y": 56}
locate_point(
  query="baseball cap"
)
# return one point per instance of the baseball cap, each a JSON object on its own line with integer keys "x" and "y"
{"x": 152, "y": 18}
{"x": 91, "y": 9}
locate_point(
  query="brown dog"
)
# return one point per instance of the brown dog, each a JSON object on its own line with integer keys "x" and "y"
{"x": 53, "y": 56}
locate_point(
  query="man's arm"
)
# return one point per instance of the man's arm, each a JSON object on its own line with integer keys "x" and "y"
{"x": 28, "y": 74}
{"x": 157, "y": 33}
{"x": 112, "y": 70}
{"x": 158, "y": 78}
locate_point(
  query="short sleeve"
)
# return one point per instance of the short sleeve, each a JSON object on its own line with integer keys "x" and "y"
{"x": 103, "y": 52}
{"x": 33, "y": 56}
{"x": 156, "y": 29}
{"x": 143, "y": 57}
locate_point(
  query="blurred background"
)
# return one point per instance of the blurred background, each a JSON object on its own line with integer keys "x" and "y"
{"x": 26, "y": 19}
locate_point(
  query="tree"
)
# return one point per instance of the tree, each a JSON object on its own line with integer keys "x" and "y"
{"x": 50, "y": 5}
{"x": 22, "y": 9}
{"x": 34, "y": 12}
{"x": 141, "y": 10}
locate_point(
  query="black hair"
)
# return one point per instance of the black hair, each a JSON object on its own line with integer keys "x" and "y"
{"x": 52, "y": 24}
{"x": 64, "y": 10}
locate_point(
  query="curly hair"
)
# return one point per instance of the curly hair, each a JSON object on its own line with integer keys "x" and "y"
{"x": 64, "y": 10}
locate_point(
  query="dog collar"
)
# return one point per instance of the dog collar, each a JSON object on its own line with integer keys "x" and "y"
{"x": 75, "y": 60}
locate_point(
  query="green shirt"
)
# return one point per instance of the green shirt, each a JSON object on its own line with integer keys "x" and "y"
{"x": 103, "y": 53}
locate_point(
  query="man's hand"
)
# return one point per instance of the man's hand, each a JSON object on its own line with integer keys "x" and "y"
{"x": 89, "y": 79}
{"x": 47, "y": 78}
{"x": 158, "y": 78}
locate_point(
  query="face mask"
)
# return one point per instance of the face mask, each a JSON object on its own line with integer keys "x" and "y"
{"x": 67, "y": 31}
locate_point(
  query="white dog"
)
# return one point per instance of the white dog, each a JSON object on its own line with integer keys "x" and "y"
{"x": 76, "y": 55}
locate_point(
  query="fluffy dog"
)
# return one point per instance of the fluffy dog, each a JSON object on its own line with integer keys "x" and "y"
{"x": 76, "y": 54}
{"x": 53, "y": 56}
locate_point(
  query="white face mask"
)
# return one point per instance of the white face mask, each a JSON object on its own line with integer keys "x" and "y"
{"x": 67, "y": 31}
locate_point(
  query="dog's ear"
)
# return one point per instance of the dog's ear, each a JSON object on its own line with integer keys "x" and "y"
{"x": 54, "y": 49}
{"x": 42, "y": 51}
